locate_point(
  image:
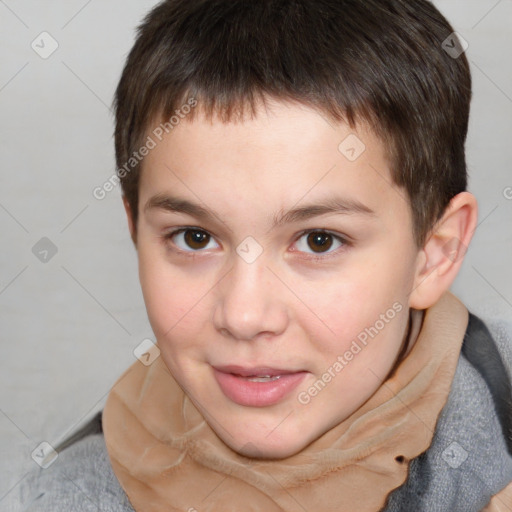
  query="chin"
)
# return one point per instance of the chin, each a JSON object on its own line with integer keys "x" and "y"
{"x": 255, "y": 447}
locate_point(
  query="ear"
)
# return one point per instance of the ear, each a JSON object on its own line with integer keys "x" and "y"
{"x": 441, "y": 257}
{"x": 131, "y": 223}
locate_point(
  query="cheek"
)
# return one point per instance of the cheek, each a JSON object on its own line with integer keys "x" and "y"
{"x": 179, "y": 310}
{"x": 367, "y": 297}
{"x": 172, "y": 298}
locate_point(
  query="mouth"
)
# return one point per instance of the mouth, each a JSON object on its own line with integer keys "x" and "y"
{"x": 257, "y": 387}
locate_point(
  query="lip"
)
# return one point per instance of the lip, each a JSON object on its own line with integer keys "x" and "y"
{"x": 253, "y": 371}
{"x": 233, "y": 383}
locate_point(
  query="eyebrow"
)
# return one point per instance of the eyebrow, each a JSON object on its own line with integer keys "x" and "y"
{"x": 330, "y": 205}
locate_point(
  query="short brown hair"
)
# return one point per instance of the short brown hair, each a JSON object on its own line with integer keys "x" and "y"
{"x": 374, "y": 61}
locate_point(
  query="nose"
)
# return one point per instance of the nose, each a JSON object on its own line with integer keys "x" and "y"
{"x": 248, "y": 303}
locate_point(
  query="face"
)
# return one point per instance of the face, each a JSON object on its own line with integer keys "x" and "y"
{"x": 276, "y": 263}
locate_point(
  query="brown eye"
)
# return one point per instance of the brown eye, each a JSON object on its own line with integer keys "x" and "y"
{"x": 196, "y": 239}
{"x": 319, "y": 241}
{"x": 192, "y": 240}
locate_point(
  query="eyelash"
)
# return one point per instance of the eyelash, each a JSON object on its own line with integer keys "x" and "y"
{"x": 345, "y": 243}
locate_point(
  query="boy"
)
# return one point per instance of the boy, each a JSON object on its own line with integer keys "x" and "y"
{"x": 294, "y": 179}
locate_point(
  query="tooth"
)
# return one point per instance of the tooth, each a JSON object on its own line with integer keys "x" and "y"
{"x": 264, "y": 378}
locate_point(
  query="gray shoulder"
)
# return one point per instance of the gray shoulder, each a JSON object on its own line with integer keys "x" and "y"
{"x": 501, "y": 331}
{"x": 80, "y": 479}
{"x": 468, "y": 461}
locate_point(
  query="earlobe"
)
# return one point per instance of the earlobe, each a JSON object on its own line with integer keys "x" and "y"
{"x": 129, "y": 216}
{"x": 441, "y": 257}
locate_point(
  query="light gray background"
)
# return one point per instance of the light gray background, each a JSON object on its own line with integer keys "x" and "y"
{"x": 69, "y": 326}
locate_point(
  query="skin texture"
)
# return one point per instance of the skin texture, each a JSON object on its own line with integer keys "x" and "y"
{"x": 293, "y": 307}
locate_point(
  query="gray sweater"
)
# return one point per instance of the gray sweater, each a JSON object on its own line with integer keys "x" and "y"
{"x": 469, "y": 460}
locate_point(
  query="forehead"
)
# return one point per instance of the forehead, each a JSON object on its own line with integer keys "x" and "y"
{"x": 286, "y": 154}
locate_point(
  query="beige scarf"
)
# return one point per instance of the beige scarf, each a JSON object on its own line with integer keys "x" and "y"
{"x": 167, "y": 458}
